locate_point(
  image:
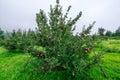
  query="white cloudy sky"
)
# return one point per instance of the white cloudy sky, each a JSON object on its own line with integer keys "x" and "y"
{"x": 16, "y": 14}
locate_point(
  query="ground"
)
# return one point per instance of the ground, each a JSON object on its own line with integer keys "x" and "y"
{"x": 13, "y": 64}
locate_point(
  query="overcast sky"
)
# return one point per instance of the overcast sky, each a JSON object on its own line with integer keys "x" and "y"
{"x": 16, "y": 14}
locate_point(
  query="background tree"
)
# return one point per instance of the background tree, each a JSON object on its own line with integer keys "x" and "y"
{"x": 1, "y": 36}
{"x": 101, "y": 31}
{"x": 1, "y": 33}
{"x": 117, "y": 32}
{"x": 20, "y": 40}
{"x": 108, "y": 33}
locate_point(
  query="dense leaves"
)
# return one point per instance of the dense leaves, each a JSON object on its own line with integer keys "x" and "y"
{"x": 101, "y": 31}
{"x": 108, "y": 33}
{"x": 64, "y": 51}
{"x": 20, "y": 40}
{"x": 1, "y": 36}
{"x": 117, "y": 32}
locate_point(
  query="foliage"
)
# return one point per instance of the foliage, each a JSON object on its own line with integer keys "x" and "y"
{"x": 18, "y": 40}
{"x": 117, "y": 32}
{"x": 108, "y": 33}
{"x": 64, "y": 51}
{"x": 101, "y": 31}
{"x": 1, "y": 36}
{"x": 1, "y": 33}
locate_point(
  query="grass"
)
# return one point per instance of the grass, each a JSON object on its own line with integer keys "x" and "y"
{"x": 12, "y": 65}
{"x": 110, "y": 61}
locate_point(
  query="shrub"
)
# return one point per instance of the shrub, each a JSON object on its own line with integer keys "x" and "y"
{"x": 64, "y": 51}
{"x": 1, "y": 36}
{"x": 19, "y": 40}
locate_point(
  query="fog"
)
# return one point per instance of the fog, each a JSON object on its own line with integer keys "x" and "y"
{"x": 16, "y": 14}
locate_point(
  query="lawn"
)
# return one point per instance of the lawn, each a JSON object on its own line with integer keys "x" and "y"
{"x": 13, "y": 65}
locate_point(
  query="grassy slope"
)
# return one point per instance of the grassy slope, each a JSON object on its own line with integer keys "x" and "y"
{"x": 110, "y": 60}
{"x": 12, "y": 64}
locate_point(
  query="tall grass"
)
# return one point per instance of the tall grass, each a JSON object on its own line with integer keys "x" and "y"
{"x": 13, "y": 65}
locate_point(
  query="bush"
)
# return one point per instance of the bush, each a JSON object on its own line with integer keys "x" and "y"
{"x": 1, "y": 36}
{"x": 64, "y": 51}
{"x": 20, "y": 41}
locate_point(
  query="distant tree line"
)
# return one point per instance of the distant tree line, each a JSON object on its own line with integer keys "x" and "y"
{"x": 103, "y": 32}
{"x": 18, "y": 40}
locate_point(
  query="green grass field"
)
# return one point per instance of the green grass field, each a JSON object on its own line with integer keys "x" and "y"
{"x": 13, "y": 65}
{"x": 110, "y": 61}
